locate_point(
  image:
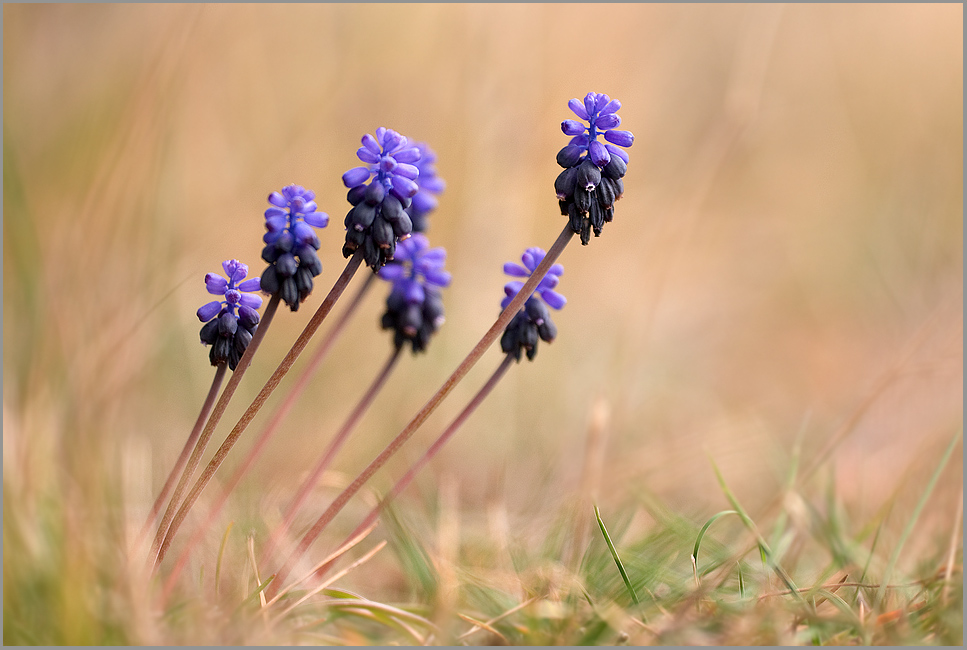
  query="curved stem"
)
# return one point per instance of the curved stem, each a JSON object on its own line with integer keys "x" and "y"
{"x": 213, "y": 419}
{"x": 272, "y": 426}
{"x": 341, "y": 436}
{"x": 492, "y": 334}
{"x": 260, "y": 399}
{"x": 189, "y": 445}
{"x": 407, "y": 478}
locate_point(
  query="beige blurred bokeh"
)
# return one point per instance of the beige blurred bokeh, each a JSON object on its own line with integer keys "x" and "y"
{"x": 787, "y": 260}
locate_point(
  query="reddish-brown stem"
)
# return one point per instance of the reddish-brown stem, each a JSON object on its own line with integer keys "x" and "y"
{"x": 260, "y": 399}
{"x": 495, "y": 331}
{"x": 213, "y": 419}
{"x": 407, "y": 478}
{"x": 272, "y": 426}
{"x": 186, "y": 451}
{"x": 341, "y": 436}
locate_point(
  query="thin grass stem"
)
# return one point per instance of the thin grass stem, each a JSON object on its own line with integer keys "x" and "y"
{"x": 492, "y": 334}
{"x": 175, "y": 473}
{"x": 911, "y": 524}
{"x": 213, "y": 419}
{"x": 273, "y": 425}
{"x": 326, "y": 459}
{"x": 337, "y": 290}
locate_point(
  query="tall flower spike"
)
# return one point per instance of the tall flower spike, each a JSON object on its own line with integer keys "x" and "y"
{"x": 591, "y": 180}
{"x": 378, "y": 217}
{"x": 414, "y": 308}
{"x": 227, "y": 331}
{"x": 533, "y": 322}
{"x": 424, "y": 201}
{"x": 291, "y": 245}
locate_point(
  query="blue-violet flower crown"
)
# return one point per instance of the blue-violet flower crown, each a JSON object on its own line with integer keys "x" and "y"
{"x": 227, "y": 331}
{"x": 378, "y": 217}
{"x": 291, "y": 244}
{"x": 533, "y": 322}
{"x": 414, "y": 308}
{"x": 424, "y": 201}
{"x": 591, "y": 180}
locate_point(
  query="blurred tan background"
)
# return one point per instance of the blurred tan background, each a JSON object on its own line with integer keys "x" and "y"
{"x": 787, "y": 260}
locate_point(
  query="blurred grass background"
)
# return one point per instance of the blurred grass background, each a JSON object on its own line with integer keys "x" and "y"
{"x": 787, "y": 260}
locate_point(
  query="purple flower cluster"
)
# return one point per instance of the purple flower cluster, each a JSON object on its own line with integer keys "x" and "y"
{"x": 424, "y": 201}
{"x": 414, "y": 308}
{"x": 291, "y": 244}
{"x": 378, "y": 217}
{"x": 228, "y": 332}
{"x": 591, "y": 180}
{"x": 533, "y": 322}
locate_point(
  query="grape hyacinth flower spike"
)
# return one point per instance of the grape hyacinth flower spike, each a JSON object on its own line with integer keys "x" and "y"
{"x": 227, "y": 331}
{"x": 424, "y": 201}
{"x": 533, "y": 322}
{"x": 378, "y": 217}
{"x": 591, "y": 180}
{"x": 414, "y": 308}
{"x": 291, "y": 245}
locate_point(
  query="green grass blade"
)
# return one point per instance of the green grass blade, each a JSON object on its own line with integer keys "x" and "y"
{"x": 701, "y": 533}
{"x": 738, "y": 566}
{"x": 254, "y": 595}
{"x": 763, "y": 545}
{"x": 221, "y": 553}
{"x": 908, "y": 529}
{"x": 614, "y": 554}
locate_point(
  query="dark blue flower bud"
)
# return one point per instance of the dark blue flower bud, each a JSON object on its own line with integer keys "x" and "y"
{"x": 286, "y": 265}
{"x": 569, "y": 156}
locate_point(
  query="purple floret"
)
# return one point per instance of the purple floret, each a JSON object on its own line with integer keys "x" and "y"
{"x": 380, "y": 193}
{"x": 593, "y": 169}
{"x": 414, "y": 308}
{"x": 291, "y": 244}
{"x": 229, "y": 331}
{"x": 533, "y": 322}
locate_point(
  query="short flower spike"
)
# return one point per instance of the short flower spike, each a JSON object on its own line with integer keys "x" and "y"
{"x": 291, "y": 244}
{"x": 414, "y": 308}
{"x": 227, "y": 331}
{"x": 424, "y": 201}
{"x": 533, "y": 322}
{"x": 378, "y": 218}
{"x": 591, "y": 180}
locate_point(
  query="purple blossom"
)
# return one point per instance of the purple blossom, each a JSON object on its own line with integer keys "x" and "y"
{"x": 600, "y": 112}
{"x": 545, "y": 288}
{"x": 424, "y": 201}
{"x": 227, "y": 331}
{"x": 414, "y": 308}
{"x": 533, "y": 322}
{"x": 591, "y": 180}
{"x": 291, "y": 244}
{"x": 378, "y": 218}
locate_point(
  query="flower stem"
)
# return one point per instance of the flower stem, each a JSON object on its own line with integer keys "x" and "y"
{"x": 213, "y": 419}
{"x": 260, "y": 399}
{"x": 273, "y": 425}
{"x": 341, "y": 436}
{"x": 492, "y": 334}
{"x": 448, "y": 433}
{"x": 186, "y": 451}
